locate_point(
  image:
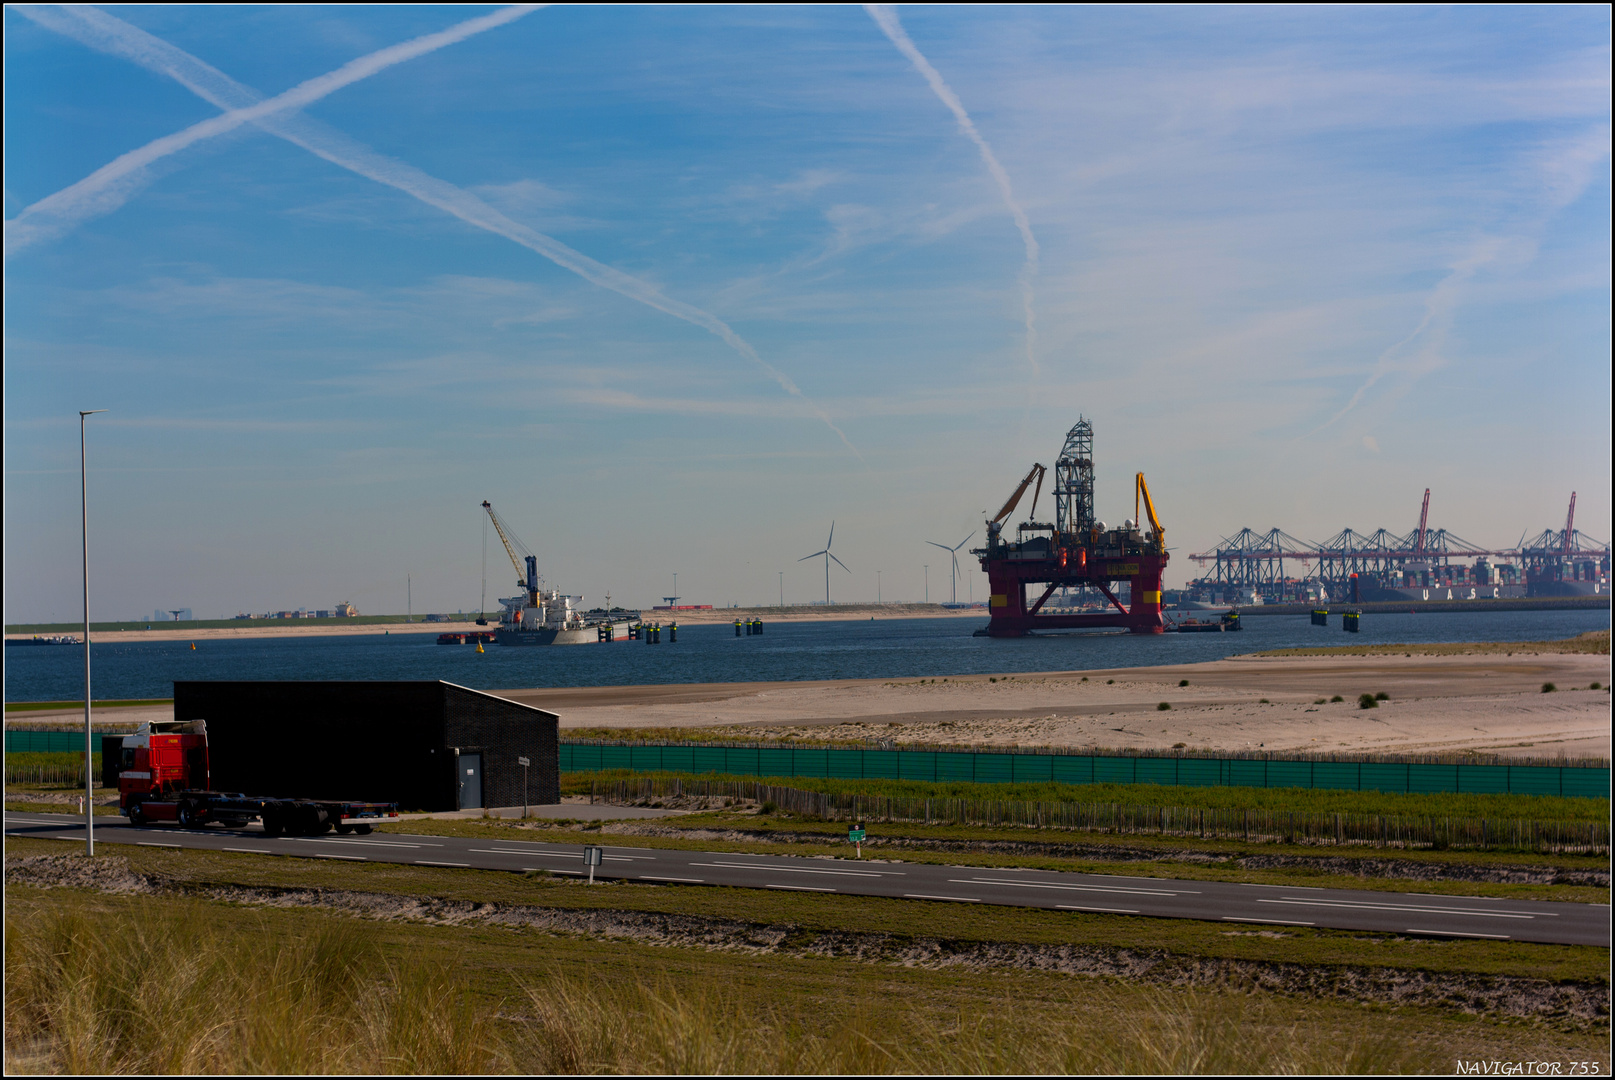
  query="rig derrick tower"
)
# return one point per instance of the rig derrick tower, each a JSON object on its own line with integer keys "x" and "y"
{"x": 1075, "y": 551}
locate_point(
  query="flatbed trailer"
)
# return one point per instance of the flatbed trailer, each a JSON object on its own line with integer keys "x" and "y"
{"x": 158, "y": 781}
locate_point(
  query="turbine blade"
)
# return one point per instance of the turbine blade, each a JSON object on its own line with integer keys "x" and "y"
{"x": 934, "y": 544}
{"x": 832, "y": 539}
{"x": 815, "y": 555}
{"x": 839, "y": 562}
{"x": 965, "y": 541}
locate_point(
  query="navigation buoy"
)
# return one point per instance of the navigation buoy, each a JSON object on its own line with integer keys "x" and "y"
{"x": 193, "y": 646}
{"x": 480, "y": 648}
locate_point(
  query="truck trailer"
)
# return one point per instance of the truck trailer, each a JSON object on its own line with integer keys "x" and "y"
{"x": 165, "y": 775}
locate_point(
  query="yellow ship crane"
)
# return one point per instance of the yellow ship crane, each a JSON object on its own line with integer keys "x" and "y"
{"x": 1142, "y": 493}
{"x": 526, "y": 576}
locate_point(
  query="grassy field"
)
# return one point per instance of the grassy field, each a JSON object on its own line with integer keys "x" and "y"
{"x": 1299, "y": 800}
{"x": 527, "y": 1000}
{"x": 99, "y": 984}
{"x": 1594, "y": 642}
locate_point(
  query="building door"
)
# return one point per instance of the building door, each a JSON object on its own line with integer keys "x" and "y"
{"x": 470, "y": 781}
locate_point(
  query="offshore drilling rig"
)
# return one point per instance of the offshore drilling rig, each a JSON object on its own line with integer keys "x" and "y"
{"x": 1075, "y": 550}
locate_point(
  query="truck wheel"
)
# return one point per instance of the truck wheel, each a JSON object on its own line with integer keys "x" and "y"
{"x": 362, "y": 830}
{"x": 343, "y": 830}
{"x": 272, "y": 825}
{"x": 186, "y": 816}
{"x": 137, "y": 816}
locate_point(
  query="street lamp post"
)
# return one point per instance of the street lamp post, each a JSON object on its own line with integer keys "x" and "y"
{"x": 927, "y": 583}
{"x": 84, "y": 521}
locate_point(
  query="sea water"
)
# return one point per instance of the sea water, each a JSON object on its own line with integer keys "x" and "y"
{"x": 831, "y": 649}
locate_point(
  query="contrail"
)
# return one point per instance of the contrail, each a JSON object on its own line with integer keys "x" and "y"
{"x": 885, "y": 17}
{"x": 110, "y": 186}
{"x": 106, "y": 33}
{"x": 1438, "y": 309}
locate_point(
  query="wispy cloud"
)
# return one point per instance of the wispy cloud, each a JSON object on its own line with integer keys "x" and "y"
{"x": 885, "y": 17}
{"x": 109, "y": 34}
{"x": 110, "y": 186}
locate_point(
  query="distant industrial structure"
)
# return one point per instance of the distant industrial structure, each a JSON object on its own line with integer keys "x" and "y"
{"x": 1075, "y": 551}
{"x": 343, "y": 610}
{"x": 1274, "y": 567}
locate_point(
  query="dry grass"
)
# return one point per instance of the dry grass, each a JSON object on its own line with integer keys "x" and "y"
{"x": 644, "y": 1028}
{"x": 140, "y": 985}
{"x": 169, "y": 992}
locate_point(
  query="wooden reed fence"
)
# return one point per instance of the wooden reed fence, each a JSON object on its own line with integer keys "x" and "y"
{"x": 52, "y": 775}
{"x": 1255, "y": 826}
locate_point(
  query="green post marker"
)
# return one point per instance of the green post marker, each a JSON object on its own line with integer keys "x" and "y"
{"x": 855, "y": 835}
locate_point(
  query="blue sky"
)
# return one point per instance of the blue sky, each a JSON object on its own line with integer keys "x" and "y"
{"x": 1295, "y": 264}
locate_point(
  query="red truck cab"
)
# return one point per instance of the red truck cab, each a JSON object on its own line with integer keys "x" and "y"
{"x": 165, "y": 775}
{"x": 168, "y": 756}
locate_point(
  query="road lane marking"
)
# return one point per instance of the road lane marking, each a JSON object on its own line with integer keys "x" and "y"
{"x": 803, "y": 870}
{"x": 957, "y": 899}
{"x": 1073, "y": 888}
{"x": 250, "y": 850}
{"x": 1456, "y": 933}
{"x": 662, "y": 877}
{"x": 334, "y": 855}
{"x": 1349, "y": 905}
{"x": 366, "y": 843}
{"x": 1279, "y": 922}
{"x": 428, "y": 862}
{"x": 149, "y": 843}
{"x": 1111, "y": 910}
{"x": 798, "y": 888}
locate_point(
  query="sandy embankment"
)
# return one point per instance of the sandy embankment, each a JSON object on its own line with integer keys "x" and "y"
{"x": 1489, "y": 702}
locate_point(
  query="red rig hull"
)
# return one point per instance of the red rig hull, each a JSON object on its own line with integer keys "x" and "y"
{"x": 1015, "y": 610}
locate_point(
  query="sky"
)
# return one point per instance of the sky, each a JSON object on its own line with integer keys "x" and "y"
{"x": 676, "y": 288}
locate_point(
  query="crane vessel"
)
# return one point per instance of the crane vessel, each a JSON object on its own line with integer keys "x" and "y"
{"x": 1075, "y": 550}
{"x": 540, "y": 616}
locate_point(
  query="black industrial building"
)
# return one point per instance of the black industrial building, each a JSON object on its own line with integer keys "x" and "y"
{"x": 424, "y": 745}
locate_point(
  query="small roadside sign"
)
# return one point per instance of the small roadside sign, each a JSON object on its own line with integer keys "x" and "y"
{"x": 523, "y": 762}
{"x": 593, "y": 857}
{"x": 855, "y": 834}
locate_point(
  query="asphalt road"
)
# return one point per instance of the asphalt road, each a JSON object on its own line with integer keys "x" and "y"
{"x": 1281, "y": 905}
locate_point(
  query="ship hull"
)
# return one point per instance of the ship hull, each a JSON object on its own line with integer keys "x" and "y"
{"x": 587, "y": 635}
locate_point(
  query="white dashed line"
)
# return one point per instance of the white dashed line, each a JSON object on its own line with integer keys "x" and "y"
{"x": 798, "y": 888}
{"x": 957, "y": 899}
{"x": 1277, "y": 922}
{"x": 428, "y": 862}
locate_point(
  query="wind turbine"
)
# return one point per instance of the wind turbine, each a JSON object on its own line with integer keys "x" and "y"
{"x": 827, "y": 558}
{"x": 953, "y": 553}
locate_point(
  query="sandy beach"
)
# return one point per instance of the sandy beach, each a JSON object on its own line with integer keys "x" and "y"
{"x": 1491, "y": 703}
{"x": 1486, "y": 702}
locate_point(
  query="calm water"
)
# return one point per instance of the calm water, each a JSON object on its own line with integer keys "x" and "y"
{"x": 894, "y": 648}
